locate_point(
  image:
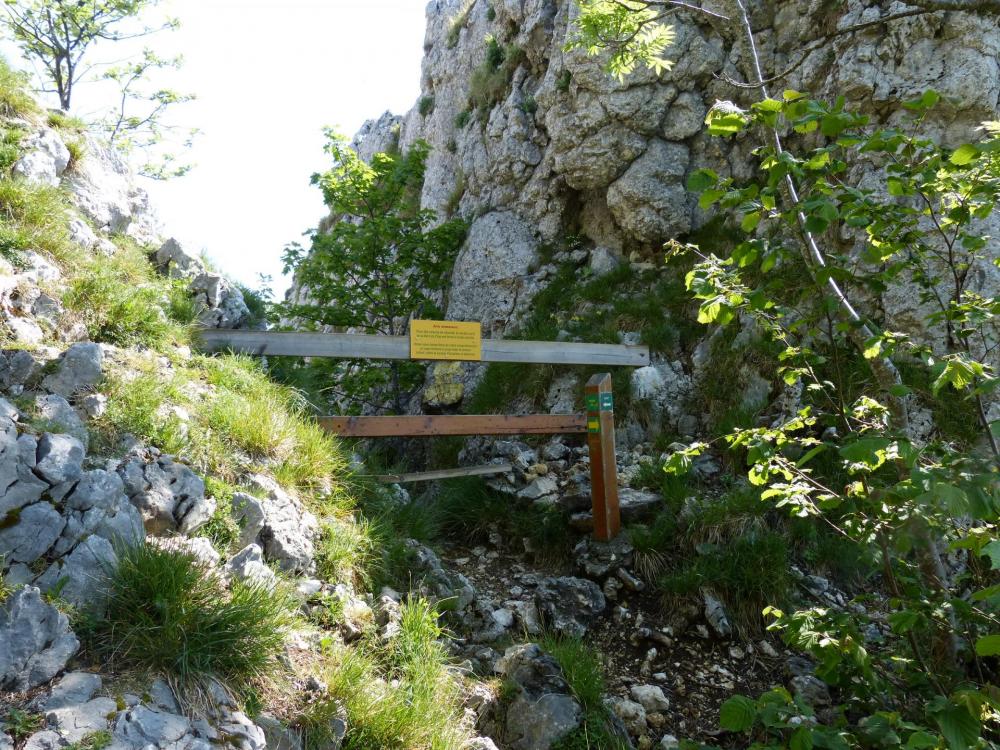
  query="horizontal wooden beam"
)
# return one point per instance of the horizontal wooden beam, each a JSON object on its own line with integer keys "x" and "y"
{"x": 430, "y": 476}
{"x": 360, "y": 346}
{"x": 455, "y": 424}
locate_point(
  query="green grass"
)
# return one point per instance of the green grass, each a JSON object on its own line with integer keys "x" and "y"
{"x": 420, "y": 708}
{"x": 462, "y": 119}
{"x": 33, "y": 217}
{"x": 457, "y": 23}
{"x": 10, "y": 148}
{"x": 245, "y": 422}
{"x": 69, "y": 123}
{"x": 490, "y": 82}
{"x": 426, "y": 105}
{"x": 20, "y": 724}
{"x": 98, "y": 740}
{"x": 15, "y": 101}
{"x": 168, "y": 615}
{"x": 346, "y": 551}
{"x": 122, "y": 301}
{"x": 581, "y": 667}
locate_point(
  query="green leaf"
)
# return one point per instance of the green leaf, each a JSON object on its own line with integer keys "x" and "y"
{"x": 709, "y": 197}
{"x": 988, "y": 645}
{"x": 992, "y": 551}
{"x": 959, "y": 727}
{"x": 750, "y": 221}
{"x": 921, "y": 741}
{"x": 964, "y": 154}
{"x": 702, "y": 179}
{"x": 737, "y": 714}
{"x": 801, "y": 739}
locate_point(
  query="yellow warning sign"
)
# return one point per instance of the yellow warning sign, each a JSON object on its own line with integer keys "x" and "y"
{"x": 446, "y": 339}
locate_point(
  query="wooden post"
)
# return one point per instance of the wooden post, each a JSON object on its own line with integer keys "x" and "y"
{"x": 603, "y": 467}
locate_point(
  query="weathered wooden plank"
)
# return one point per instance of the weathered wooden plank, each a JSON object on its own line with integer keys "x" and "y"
{"x": 430, "y": 476}
{"x": 360, "y": 346}
{"x": 455, "y": 424}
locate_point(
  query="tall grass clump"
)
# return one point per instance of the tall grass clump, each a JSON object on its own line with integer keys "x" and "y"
{"x": 399, "y": 695}
{"x": 582, "y": 669}
{"x": 123, "y": 301}
{"x": 169, "y": 615}
{"x": 15, "y": 101}
{"x": 33, "y": 217}
{"x": 274, "y": 423}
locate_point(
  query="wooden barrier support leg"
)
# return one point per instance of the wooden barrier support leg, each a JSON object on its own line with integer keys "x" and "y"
{"x": 603, "y": 467}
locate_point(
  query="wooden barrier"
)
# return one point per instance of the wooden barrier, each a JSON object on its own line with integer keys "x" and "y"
{"x": 455, "y": 424}
{"x": 361, "y": 346}
{"x": 598, "y": 423}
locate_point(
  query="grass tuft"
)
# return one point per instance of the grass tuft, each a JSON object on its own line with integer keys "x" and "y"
{"x": 168, "y": 615}
{"x": 15, "y": 101}
{"x": 122, "y": 301}
{"x": 490, "y": 82}
{"x": 396, "y": 695}
{"x": 33, "y": 217}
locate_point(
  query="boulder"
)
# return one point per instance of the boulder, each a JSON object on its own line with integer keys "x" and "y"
{"x": 79, "y": 368}
{"x": 650, "y": 201}
{"x": 542, "y": 710}
{"x": 74, "y": 722}
{"x": 223, "y": 303}
{"x": 44, "y": 157}
{"x": 489, "y": 276}
{"x": 166, "y": 493}
{"x": 279, "y": 524}
{"x": 432, "y": 580}
{"x": 81, "y": 576}
{"x": 248, "y": 565}
{"x": 59, "y": 458}
{"x": 174, "y": 260}
{"x": 569, "y": 605}
{"x": 29, "y": 532}
{"x": 98, "y": 506}
{"x": 73, "y": 689}
{"x": 35, "y": 641}
{"x": 56, "y": 413}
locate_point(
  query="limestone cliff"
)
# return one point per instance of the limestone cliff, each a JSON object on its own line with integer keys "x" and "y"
{"x": 533, "y": 144}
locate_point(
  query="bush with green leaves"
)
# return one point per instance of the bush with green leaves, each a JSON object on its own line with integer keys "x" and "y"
{"x": 848, "y": 458}
{"x": 383, "y": 261}
{"x": 169, "y": 615}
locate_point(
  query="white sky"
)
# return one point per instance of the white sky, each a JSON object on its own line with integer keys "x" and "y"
{"x": 269, "y": 75}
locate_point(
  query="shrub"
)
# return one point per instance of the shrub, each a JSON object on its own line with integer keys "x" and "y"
{"x": 563, "y": 81}
{"x": 426, "y": 105}
{"x": 168, "y": 615}
{"x": 462, "y": 119}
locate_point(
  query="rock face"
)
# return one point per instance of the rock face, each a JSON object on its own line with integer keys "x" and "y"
{"x": 563, "y": 148}
{"x": 35, "y": 641}
{"x": 222, "y": 304}
{"x": 283, "y": 529}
